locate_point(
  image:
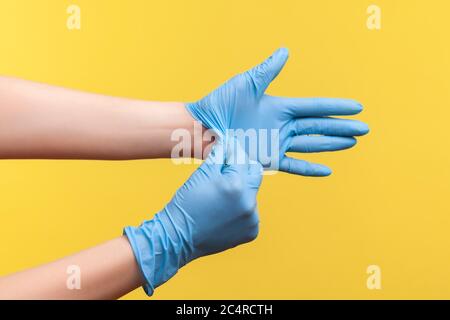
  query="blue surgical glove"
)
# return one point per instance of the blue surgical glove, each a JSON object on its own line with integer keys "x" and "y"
{"x": 280, "y": 124}
{"x": 213, "y": 211}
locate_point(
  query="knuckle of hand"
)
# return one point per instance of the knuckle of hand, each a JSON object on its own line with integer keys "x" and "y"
{"x": 253, "y": 234}
{"x": 248, "y": 207}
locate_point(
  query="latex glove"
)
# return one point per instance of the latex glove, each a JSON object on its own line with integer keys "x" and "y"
{"x": 241, "y": 103}
{"x": 213, "y": 211}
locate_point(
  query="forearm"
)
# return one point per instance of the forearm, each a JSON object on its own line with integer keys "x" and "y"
{"x": 107, "y": 271}
{"x": 43, "y": 121}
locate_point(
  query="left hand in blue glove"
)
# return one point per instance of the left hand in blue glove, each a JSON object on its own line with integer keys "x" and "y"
{"x": 277, "y": 123}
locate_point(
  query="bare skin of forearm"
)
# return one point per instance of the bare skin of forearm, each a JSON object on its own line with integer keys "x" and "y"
{"x": 107, "y": 271}
{"x": 45, "y": 122}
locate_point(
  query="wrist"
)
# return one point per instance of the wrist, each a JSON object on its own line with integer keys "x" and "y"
{"x": 163, "y": 130}
{"x": 200, "y": 138}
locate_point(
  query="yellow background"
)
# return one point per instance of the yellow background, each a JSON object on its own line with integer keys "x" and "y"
{"x": 387, "y": 202}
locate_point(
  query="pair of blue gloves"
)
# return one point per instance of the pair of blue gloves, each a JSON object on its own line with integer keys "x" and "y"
{"x": 216, "y": 208}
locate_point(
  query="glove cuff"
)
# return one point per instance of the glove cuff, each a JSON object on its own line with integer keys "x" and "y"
{"x": 207, "y": 119}
{"x": 160, "y": 249}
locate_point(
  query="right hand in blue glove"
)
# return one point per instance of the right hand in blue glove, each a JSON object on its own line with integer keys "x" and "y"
{"x": 213, "y": 211}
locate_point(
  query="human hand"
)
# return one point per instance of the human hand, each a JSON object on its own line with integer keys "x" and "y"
{"x": 213, "y": 211}
{"x": 299, "y": 124}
